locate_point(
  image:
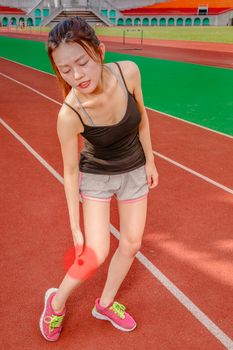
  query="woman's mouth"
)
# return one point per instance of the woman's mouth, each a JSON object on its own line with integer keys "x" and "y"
{"x": 84, "y": 84}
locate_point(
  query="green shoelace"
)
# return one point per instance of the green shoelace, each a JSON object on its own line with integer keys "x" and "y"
{"x": 119, "y": 309}
{"x": 54, "y": 321}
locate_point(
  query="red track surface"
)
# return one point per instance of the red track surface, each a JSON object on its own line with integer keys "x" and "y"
{"x": 211, "y": 54}
{"x": 188, "y": 234}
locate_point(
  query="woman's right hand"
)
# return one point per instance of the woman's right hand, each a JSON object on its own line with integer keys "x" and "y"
{"x": 78, "y": 241}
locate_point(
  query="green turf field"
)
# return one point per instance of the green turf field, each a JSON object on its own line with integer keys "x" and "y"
{"x": 201, "y": 94}
{"x": 210, "y": 34}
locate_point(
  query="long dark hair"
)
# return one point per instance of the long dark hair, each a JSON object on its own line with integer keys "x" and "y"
{"x": 73, "y": 29}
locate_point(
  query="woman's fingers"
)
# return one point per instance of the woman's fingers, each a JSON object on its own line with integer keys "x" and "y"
{"x": 78, "y": 242}
{"x": 153, "y": 181}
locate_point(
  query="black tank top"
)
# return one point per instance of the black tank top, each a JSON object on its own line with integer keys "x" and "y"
{"x": 113, "y": 149}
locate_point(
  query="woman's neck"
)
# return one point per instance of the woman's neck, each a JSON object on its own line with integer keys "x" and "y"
{"x": 104, "y": 90}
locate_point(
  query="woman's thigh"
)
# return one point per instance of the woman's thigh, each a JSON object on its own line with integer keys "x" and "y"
{"x": 96, "y": 215}
{"x": 132, "y": 222}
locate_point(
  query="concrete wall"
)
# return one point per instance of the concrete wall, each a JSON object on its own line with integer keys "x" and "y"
{"x": 221, "y": 20}
{"x": 151, "y": 19}
{"x": 122, "y": 4}
{"x": 18, "y": 3}
{"x": 23, "y": 4}
{"x": 224, "y": 19}
{"x": 74, "y": 3}
{"x": 126, "y": 4}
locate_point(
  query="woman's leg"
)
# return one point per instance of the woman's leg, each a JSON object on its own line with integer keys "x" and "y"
{"x": 97, "y": 237}
{"x": 132, "y": 224}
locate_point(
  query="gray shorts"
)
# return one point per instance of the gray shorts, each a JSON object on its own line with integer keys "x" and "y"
{"x": 130, "y": 186}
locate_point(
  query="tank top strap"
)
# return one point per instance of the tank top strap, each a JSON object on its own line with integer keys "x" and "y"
{"x": 75, "y": 112}
{"x": 122, "y": 76}
{"x": 83, "y": 109}
{"x": 120, "y": 80}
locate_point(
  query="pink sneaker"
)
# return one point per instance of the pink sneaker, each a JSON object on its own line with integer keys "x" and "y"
{"x": 115, "y": 313}
{"x": 50, "y": 321}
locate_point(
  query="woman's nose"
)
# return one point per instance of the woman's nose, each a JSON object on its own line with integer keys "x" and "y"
{"x": 78, "y": 74}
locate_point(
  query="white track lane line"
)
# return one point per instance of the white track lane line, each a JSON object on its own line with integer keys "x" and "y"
{"x": 30, "y": 88}
{"x": 203, "y": 177}
{"x": 191, "y": 123}
{"x": 170, "y": 286}
{"x": 25, "y": 65}
{"x": 193, "y": 172}
{"x": 154, "y": 110}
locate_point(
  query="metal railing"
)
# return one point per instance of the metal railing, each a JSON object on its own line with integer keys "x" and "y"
{"x": 54, "y": 14}
{"x": 34, "y": 8}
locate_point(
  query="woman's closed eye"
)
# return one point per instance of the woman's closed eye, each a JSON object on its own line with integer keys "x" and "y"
{"x": 83, "y": 64}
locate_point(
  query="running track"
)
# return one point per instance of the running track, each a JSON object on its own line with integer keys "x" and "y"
{"x": 188, "y": 234}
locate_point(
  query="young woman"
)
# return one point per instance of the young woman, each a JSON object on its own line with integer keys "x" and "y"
{"x": 103, "y": 103}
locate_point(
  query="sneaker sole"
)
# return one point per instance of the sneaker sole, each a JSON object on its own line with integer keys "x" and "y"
{"x": 47, "y": 295}
{"x": 96, "y": 314}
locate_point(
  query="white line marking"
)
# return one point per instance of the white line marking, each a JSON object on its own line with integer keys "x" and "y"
{"x": 176, "y": 292}
{"x": 25, "y": 65}
{"x": 191, "y": 123}
{"x": 182, "y": 298}
{"x": 203, "y": 177}
{"x": 30, "y": 88}
{"x": 35, "y": 154}
{"x": 154, "y": 110}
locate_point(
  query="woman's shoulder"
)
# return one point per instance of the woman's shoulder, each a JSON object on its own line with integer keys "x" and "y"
{"x": 127, "y": 67}
{"x": 67, "y": 115}
{"x": 71, "y": 100}
{"x": 130, "y": 73}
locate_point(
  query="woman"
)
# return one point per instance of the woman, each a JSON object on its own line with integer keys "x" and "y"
{"x": 103, "y": 103}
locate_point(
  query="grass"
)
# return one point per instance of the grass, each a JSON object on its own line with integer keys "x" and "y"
{"x": 209, "y": 34}
{"x": 200, "y": 94}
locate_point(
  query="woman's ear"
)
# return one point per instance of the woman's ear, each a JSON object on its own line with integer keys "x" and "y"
{"x": 102, "y": 51}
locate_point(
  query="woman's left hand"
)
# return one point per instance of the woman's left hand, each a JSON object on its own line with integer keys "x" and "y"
{"x": 152, "y": 174}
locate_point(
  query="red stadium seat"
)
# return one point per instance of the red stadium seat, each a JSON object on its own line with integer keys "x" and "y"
{"x": 176, "y": 7}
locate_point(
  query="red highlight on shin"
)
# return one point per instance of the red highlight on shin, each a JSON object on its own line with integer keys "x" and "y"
{"x": 82, "y": 265}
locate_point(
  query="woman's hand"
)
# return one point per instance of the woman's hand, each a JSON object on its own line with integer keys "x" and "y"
{"x": 152, "y": 174}
{"x": 78, "y": 241}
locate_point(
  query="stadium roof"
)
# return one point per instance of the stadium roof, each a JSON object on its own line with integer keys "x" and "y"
{"x": 11, "y": 10}
{"x": 192, "y": 4}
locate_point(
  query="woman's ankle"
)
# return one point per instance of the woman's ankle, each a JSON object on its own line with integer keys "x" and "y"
{"x": 104, "y": 303}
{"x": 56, "y": 307}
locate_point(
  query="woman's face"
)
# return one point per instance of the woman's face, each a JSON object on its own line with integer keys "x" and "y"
{"x": 77, "y": 68}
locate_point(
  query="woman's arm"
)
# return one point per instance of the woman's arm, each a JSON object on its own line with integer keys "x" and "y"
{"x": 68, "y": 128}
{"x": 144, "y": 128}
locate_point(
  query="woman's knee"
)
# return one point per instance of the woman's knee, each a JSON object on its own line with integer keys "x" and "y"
{"x": 130, "y": 247}
{"x": 86, "y": 264}
{"x": 101, "y": 256}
